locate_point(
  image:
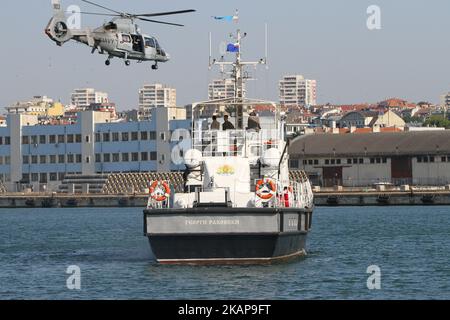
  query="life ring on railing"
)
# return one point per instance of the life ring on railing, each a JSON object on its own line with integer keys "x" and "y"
{"x": 160, "y": 191}
{"x": 266, "y": 189}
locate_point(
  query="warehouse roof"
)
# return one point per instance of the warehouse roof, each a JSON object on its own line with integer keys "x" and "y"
{"x": 373, "y": 144}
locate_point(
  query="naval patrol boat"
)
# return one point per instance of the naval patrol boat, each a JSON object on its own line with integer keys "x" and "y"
{"x": 238, "y": 205}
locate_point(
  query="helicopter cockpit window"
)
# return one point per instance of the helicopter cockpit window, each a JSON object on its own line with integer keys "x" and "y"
{"x": 126, "y": 38}
{"x": 149, "y": 42}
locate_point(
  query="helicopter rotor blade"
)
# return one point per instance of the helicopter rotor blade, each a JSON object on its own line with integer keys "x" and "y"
{"x": 100, "y": 6}
{"x": 161, "y": 22}
{"x": 159, "y": 14}
{"x": 98, "y": 14}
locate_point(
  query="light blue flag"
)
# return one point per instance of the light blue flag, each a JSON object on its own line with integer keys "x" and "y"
{"x": 225, "y": 18}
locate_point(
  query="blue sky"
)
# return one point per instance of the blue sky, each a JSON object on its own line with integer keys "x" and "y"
{"x": 326, "y": 40}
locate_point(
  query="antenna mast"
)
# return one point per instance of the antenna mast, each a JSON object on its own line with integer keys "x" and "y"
{"x": 237, "y": 72}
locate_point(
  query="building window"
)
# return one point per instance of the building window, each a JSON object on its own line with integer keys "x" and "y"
{"x": 70, "y": 138}
{"x": 294, "y": 164}
{"x": 163, "y": 136}
{"x": 7, "y": 160}
{"x": 372, "y": 160}
{"x": 310, "y": 162}
{"x": 43, "y": 178}
{"x": 26, "y": 159}
{"x": 327, "y": 162}
{"x": 378, "y": 160}
{"x": 125, "y": 136}
{"x": 144, "y": 135}
{"x": 361, "y": 160}
{"x": 98, "y": 158}
{"x": 34, "y": 140}
{"x": 78, "y": 138}
{"x": 349, "y": 161}
{"x": 153, "y": 135}
{"x": 52, "y": 139}
{"x": 53, "y": 159}
{"x": 34, "y": 159}
{"x": 61, "y": 158}
{"x": 333, "y": 161}
{"x": 305, "y": 162}
{"x": 88, "y": 139}
{"x": 43, "y": 159}
{"x": 144, "y": 156}
{"x": 432, "y": 159}
{"x": 134, "y": 136}
{"x": 70, "y": 158}
{"x": 7, "y": 141}
{"x": 115, "y": 137}
{"x": 338, "y": 161}
{"x": 61, "y": 176}
{"x": 25, "y": 178}
{"x": 106, "y": 137}
{"x": 88, "y": 159}
{"x": 42, "y": 139}
{"x": 1, "y": 160}
{"x": 53, "y": 176}
{"x": 425, "y": 159}
{"x": 384, "y": 160}
{"x": 1, "y": 141}
{"x": 419, "y": 159}
{"x": 25, "y": 140}
{"x": 61, "y": 138}
{"x": 443, "y": 159}
{"x": 98, "y": 137}
{"x": 106, "y": 158}
{"x": 79, "y": 158}
{"x": 34, "y": 177}
{"x": 153, "y": 156}
{"x": 116, "y": 157}
{"x": 125, "y": 157}
{"x": 135, "y": 157}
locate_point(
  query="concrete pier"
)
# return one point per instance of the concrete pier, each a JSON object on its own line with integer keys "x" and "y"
{"x": 335, "y": 198}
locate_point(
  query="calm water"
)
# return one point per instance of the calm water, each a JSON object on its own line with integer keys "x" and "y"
{"x": 410, "y": 244}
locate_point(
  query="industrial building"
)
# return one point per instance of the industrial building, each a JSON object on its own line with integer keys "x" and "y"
{"x": 33, "y": 155}
{"x": 356, "y": 160}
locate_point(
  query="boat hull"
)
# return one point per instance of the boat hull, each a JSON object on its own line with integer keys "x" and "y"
{"x": 226, "y": 235}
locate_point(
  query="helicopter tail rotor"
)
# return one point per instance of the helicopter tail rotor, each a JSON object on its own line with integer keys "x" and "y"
{"x": 57, "y": 29}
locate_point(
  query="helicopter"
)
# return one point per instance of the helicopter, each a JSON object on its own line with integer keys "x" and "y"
{"x": 120, "y": 37}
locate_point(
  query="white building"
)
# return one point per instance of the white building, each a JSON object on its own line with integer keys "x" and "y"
{"x": 83, "y": 98}
{"x": 297, "y": 91}
{"x": 38, "y": 105}
{"x": 445, "y": 100}
{"x": 222, "y": 89}
{"x": 156, "y": 96}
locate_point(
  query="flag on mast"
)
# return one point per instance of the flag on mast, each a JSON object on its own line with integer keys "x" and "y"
{"x": 234, "y": 18}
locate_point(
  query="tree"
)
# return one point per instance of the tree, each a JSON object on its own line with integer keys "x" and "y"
{"x": 437, "y": 121}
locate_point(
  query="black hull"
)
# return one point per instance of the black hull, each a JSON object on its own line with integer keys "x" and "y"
{"x": 234, "y": 247}
{"x": 227, "y": 249}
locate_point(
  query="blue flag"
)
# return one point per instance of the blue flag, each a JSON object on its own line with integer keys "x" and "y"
{"x": 232, "y": 48}
{"x": 225, "y": 18}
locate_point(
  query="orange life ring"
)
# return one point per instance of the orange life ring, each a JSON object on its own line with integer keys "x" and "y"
{"x": 272, "y": 189}
{"x": 158, "y": 196}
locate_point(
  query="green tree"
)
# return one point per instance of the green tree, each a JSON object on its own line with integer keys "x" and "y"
{"x": 437, "y": 121}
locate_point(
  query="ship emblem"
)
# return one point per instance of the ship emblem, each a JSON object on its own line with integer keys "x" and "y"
{"x": 225, "y": 170}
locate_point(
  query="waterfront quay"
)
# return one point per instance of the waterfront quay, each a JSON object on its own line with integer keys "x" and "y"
{"x": 325, "y": 198}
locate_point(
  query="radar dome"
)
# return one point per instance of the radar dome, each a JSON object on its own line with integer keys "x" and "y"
{"x": 193, "y": 158}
